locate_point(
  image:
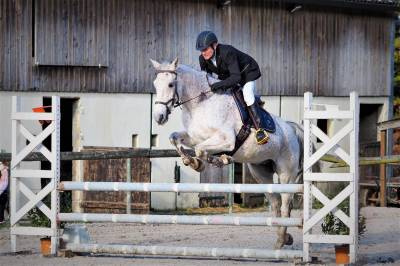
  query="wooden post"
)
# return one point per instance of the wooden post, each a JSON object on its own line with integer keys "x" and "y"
{"x": 128, "y": 180}
{"x": 231, "y": 181}
{"x": 382, "y": 173}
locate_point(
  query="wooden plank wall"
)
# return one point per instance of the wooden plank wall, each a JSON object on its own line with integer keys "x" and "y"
{"x": 329, "y": 53}
{"x": 71, "y": 33}
{"x": 114, "y": 170}
{"x": 15, "y": 45}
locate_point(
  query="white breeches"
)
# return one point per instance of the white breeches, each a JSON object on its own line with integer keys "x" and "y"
{"x": 248, "y": 92}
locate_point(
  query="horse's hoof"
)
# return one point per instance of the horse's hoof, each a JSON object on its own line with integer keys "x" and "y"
{"x": 288, "y": 239}
{"x": 197, "y": 165}
{"x": 199, "y": 153}
{"x": 279, "y": 244}
{"x": 173, "y": 138}
{"x": 226, "y": 159}
{"x": 186, "y": 161}
{"x": 215, "y": 161}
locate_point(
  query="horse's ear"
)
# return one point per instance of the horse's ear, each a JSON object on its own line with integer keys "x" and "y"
{"x": 175, "y": 62}
{"x": 155, "y": 64}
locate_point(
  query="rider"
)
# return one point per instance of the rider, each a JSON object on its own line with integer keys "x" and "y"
{"x": 234, "y": 68}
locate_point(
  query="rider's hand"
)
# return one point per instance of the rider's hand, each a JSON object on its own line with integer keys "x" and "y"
{"x": 216, "y": 86}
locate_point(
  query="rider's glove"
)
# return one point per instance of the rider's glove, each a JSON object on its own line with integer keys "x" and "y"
{"x": 216, "y": 86}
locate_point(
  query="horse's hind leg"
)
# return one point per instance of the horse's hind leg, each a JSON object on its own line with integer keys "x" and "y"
{"x": 284, "y": 238}
{"x": 264, "y": 174}
{"x": 275, "y": 201}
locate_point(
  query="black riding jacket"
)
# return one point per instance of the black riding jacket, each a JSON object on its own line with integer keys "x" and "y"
{"x": 233, "y": 66}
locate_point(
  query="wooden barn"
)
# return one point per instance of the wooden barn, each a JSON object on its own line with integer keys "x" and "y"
{"x": 95, "y": 55}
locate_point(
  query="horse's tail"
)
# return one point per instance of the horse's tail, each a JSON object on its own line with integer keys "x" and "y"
{"x": 300, "y": 138}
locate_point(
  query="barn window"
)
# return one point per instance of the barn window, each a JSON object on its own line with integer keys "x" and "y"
{"x": 154, "y": 140}
{"x": 71, "y": 33}
{"x": 135, "y": 141}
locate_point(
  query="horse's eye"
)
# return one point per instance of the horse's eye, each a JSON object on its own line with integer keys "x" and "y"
{"x": 171, "y": 85}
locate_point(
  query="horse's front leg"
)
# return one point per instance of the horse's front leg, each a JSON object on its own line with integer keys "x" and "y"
{"x": 219, "y": 142}
{"x": 178, "y": 139}
{"x": 181, "y": 138}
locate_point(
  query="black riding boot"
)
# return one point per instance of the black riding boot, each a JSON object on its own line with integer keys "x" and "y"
{"x": 262, "y": 136}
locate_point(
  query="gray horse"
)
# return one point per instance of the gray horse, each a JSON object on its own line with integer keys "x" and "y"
{"x": 211, "y": 122}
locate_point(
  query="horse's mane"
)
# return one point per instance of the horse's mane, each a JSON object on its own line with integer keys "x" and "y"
{"x": 195, "y": 80}
{"x": 200, "y": 74}
{"x": 186, "y": 69}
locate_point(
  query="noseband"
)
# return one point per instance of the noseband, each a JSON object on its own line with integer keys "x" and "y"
{"x": 175, "y": 99}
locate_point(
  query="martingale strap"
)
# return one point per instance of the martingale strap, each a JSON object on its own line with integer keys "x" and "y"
{"x": 241, "y": 137}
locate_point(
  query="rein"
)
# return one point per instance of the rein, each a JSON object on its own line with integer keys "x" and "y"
{"x": 175, "y": 100}
{"x": 203, "y": 93}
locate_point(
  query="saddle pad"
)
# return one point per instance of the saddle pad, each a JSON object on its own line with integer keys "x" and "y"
{"x": 267, "y": 122}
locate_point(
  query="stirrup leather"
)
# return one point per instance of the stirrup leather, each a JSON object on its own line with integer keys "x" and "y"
{"x": 262, "y": 136}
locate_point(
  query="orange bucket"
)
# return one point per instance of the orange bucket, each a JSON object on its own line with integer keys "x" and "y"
{"x": 342, "y": 254}
{"x": 42, "y": 109}
{"x": 45, "y": 246}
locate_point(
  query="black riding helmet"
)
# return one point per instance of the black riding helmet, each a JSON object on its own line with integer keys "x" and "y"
{"x": 205, "y": 39}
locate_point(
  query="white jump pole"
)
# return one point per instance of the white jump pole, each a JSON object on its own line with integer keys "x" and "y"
{"x": 180, "y": 219}
{"x": 186, "y": 251}
{"x": 181, "y": 187}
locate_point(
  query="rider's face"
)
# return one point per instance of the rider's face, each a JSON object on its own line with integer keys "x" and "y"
{"x": 207, "y": 53}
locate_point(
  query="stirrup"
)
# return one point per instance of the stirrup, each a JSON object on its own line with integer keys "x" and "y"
{"x": 262, "y": 136}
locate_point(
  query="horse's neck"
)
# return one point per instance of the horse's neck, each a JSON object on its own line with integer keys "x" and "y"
{"x": 191, "y": 84}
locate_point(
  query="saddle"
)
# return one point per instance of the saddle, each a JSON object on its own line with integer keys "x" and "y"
{"x": 267, "y": 122}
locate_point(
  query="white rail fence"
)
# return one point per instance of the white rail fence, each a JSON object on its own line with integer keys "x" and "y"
{"x": 310, "y": 217}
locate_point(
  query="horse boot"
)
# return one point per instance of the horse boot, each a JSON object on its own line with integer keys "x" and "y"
{"x": 262, "y": 136}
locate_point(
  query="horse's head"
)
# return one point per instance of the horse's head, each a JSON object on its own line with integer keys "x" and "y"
{"x": 166, "y": 90}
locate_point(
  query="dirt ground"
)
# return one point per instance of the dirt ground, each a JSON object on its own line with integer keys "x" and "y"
{"x": 379, "y": 245}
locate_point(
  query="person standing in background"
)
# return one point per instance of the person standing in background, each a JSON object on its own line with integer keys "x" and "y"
{"x": 3, "y": 191}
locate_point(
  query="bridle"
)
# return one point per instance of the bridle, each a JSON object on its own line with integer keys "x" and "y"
{"x": 175, "y": 100}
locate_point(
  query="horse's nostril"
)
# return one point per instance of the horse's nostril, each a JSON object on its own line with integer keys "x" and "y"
{"x": 171, "y": 85}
